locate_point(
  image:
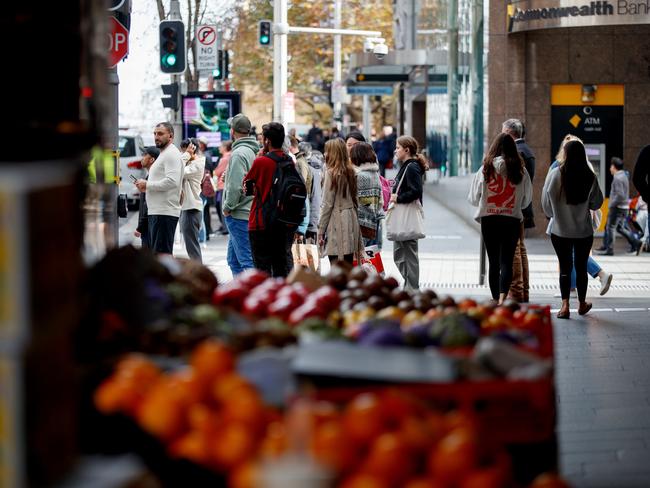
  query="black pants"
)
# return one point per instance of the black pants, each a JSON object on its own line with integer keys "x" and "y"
{"x": 207, "y": 217}
{"x": 500, "y": 235}
{"x": 218, "y": 203}
{"x": 573, "y": 252}
{"x": 161, "y": 233}
{"x": 271, "y": 249}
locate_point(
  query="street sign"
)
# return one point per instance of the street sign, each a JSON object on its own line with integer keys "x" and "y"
{"x": 206, "y": 47}
{"x": 118, "y": 42}
{"x": 370, "y": 90}
{"x": 289, "y": 101}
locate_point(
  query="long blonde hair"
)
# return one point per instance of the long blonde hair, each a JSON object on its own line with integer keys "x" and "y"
{"x": 339, "y": 166}
{"x": 559, "y": 157}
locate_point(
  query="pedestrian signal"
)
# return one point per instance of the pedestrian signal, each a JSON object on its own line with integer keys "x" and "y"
{"x": 265, "y": 33}
{"x": 172, "y": 46}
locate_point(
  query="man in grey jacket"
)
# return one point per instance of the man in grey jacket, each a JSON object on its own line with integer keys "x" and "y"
{"x": 236, "y": 205}
{"x": 619, "y": 194}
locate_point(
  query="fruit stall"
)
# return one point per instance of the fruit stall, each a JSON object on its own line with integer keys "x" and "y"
{"x": 343, "y": 380}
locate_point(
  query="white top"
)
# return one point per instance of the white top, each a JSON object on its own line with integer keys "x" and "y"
{"x": 192, "y": 177}
{"x": 500, "y": 196}
{"x": 164, "y": 183}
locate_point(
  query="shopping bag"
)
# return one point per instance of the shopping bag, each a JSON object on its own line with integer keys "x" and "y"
{"x": 404, "y": 221}
{"x": 372, "y": 261}
{"x": 305, "y": 255}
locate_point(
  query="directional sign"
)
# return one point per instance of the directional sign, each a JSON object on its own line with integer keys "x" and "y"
{"x": 206, "y": 47}
{"x": 118, "y": 42}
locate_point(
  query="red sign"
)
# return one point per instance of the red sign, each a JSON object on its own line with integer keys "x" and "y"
{"x": 118, "y": 42}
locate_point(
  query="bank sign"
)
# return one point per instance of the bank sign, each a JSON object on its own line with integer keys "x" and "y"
{"x": 526, "y": 15}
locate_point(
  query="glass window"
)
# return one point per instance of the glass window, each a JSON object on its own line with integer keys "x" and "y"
{"x": 127, "y": 147}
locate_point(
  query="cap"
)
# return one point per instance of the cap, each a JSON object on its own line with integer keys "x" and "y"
{"x": 204, "y": 140}
{"x": 152, "y": 151}
{"x": 240, "y": 123}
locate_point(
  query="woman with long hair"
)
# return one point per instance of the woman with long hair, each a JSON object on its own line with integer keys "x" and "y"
{"x": 407, "y": 189}
{"x": 570, "y": 192}
{"x": 339, "y": 234}
{"x": 369, "y": 192}
{"x": 500, "y": 190}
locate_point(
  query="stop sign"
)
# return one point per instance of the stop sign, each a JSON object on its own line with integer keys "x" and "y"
{"x": 118, "y": 42}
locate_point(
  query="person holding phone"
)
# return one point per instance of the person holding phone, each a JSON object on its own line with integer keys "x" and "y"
{"x": 191, "y": 202}
{"x": 142, "y": 230}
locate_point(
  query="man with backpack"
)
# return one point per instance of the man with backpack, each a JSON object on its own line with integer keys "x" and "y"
{"x": 279, "y": 195}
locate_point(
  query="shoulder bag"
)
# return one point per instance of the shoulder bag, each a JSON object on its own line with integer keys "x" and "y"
{"x": 405, "y": 221}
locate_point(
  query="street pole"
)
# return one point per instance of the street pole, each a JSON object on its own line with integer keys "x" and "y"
{"x": 111, "y": 227}
{"x": 280, "y": 31}
{"x": 477, "y": 84}
{"x": 337, "y": 64}
{"x": 366, "y": 117}
{"x": 452, "y": 85}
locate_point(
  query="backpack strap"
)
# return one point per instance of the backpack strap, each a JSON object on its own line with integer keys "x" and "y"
{"x": 275, "y": 157}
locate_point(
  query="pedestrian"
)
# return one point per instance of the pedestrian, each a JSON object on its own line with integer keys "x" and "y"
{"x": 316, "y": 162}
{"x": 369, "y": 191}
{"x": 593, "y": 268}
{"x": 619, "y": 195}
{"x": 570, "y": 192}
{"x": 192, "y": 204}
{"x": 219, "y": 175}
{"x": 501, "y": 189}
{"x": 407, "y": 188}
{"x": 339, "y": 235}
{"x": 354, "y": 137}
{"x": 316, "y": 137}
{"x": 270, "y": 237}
{"x": 208, "y": 201}
{"x": 520, "y": 287}
{"x": 163, "y": 188}
{"x": 641, "y": 180}
{"x": 236, "y": 205}
{"x": 151, "y": 153}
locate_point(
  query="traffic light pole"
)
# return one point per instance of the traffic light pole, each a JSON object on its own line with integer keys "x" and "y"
{"x": 280, "y": 31}
{"x": 112, "y": 143}
{"x": 175, "y": 14}
{"x": 338, "y": 115}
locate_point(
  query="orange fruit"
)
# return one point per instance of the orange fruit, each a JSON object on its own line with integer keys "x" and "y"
{"x": 244, "y": 476}
{"x": 324, "y": 412}
{"x": 455, "y": 456}
{"x": 234, "y": 444}
{"x": 274, "y": 443}
{"x": 423, "y": 483}
{"x": 549, "y": 480}
{"x": 484, "y": 478}
{"x": 397, "y": 405}
{"x": 211, "y": 359}
{"x": 109, "y": 396}
{"x": 202, "y": 418}
{"x": 192, "y": 446}
{"x": 364, "y": 481}
{"x": 417, "y": 434}
{"x": 364, "y": 418}
{"x": 138, "y": 368}
{"x": 224, "y": 387}
{"x": 389, "y": 459}
{"x": 186, "y": 386}
{"x": 331, "y": 447}
{"x": 456, "y": 419}
{"x": 161, "y": 415}
{"x": 244, "y": 405}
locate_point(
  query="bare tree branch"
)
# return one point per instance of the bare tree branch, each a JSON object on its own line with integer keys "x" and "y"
{"x": 161, "y": 9}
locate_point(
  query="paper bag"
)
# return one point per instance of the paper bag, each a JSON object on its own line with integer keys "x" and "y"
{"x": 305, "y": 255}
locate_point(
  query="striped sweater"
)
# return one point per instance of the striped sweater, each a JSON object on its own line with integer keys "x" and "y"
{"x": 371, "y": 202}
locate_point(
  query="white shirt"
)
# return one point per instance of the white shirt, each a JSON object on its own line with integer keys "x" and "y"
{"x": 165, "y": 182}
{"x": 192, "y": 178}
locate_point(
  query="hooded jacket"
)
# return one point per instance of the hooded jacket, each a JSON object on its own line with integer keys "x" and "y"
{"x": 500, "y": 196}
{"x": 244, "y": 151}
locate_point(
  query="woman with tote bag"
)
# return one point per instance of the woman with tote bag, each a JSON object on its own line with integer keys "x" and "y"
{"x": 405, "y": 216}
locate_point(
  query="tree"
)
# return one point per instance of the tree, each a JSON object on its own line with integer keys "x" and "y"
{"x": 310, "y": 56}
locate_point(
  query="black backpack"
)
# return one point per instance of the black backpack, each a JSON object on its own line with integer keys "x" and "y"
{"x": 285, "y": 203}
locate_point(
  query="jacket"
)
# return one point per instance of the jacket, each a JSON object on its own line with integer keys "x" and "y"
{"x": 499, "y": 196}
{"x": 316, "y": 167}
{"x": 571, "y": 221}
{"x": 192, "y": 177}
{"x": 220, "y": 171}
{"x": 261, "y": 173}
{"x": 411, "y": 188}
{"x": 339, "y": 221}
{"x": 165, "y": 183}
{"x": 529, "y": 162}
{"x": 619, "y": 193}
{"x": 242, "y": 155}
{"x": 641, "y": 178}
{"x": 369, "y": 193}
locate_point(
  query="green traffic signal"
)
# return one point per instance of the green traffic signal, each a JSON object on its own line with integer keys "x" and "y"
{"x": 172, "y": 46}
{"x": 264, "y": 39}
{"x": 169, "y": 60}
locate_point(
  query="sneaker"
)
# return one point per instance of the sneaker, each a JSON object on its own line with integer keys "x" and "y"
{"x": 605, "y": 252}
{"x": 605, "y": 281}
{"x": 600, "y": 249}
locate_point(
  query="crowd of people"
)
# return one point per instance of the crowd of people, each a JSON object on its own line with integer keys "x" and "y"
{"x": 272, "y": 190}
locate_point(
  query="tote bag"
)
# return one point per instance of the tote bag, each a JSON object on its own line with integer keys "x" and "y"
{"x": 405, "y": 221}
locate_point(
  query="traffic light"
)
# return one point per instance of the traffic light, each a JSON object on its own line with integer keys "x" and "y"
{"x": 172, "y": 46}
{"x": 265, "y": 33}
{"x": 221, "y": 72}
{"x": 170, "y": 100}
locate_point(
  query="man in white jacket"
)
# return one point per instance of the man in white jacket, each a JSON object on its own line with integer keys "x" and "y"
{"x": 163, "y": 190}
{"x": 192, "y": 204}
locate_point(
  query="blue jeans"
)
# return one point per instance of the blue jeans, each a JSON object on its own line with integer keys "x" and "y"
{"x": 239, "y": 247}
{"x": 614, "y": 217}
{"x": 202, "y": 232}
{"x": 593, "y": 268}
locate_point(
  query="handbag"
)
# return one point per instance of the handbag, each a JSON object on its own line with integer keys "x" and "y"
{"x": 373, "y": 259}
{"x": 305, "y": 255}
{"x": 405, "y": 221}
{"x": 207, "y": 186}
{"x": 596, "y": 218}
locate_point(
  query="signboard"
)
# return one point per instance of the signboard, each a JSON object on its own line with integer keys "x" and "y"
{"x": 289, "y": 107}
{"x": 206, "y": 47}
{"x": 118, "y": 42}
{"x": 526, "y": 15}
{"x": 206, "y": 114}
{"x": 370, "y": 90}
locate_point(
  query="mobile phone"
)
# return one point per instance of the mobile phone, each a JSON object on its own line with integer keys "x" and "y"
{"x": 133, "y": 178}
